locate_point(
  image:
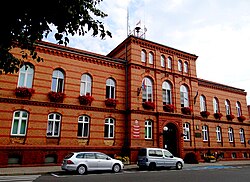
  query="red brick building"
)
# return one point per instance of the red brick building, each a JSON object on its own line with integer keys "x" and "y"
{"x": 142, "y": 94}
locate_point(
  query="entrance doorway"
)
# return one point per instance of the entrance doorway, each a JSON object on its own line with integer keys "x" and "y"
{"x": 170, "y": 139}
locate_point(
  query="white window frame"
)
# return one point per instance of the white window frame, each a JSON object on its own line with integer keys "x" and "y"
{"x": 148, "y": 129}
{"x": 184, "y": 96}
{"x": 186, "y": 131}
{"x": 109, "y": 128}
{"x": 227, "y": 107}
{"x": 54, "y": 124}
{"x": 218, "y": 134}
{"x": 86, "y": 84}
{"x": 169, "y": 63}
{"x": 238, "y": 109}
{"x": 84, "y": 122}
{"x": 185, "y": 67}
{"x": 57, "y": 84}
{"x": 147, "y": 92}
{"x": 216, "y": 105}
{"x": 242, "y": 135}
{"x": 203, "y": 106}
{"x": 230, "y": 135}
{"x": 163, "y": 61}
{"x": 166, "y": 93}
{"x": 179, "y": 65}
{"x": 25, "y": 78}
{"x": 110, "y": 88}
{"x": 19, "y": 123}
{"x": 143, "y": 56}
{"x": 205, "y": 133}
{"x": 150, "y": 58}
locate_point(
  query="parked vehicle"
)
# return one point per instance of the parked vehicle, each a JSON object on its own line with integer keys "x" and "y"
{"x": 152, "y": 158}
{"x": 82, "y": 162}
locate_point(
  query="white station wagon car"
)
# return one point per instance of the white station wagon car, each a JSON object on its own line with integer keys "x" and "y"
{"x": 82, "y": 162}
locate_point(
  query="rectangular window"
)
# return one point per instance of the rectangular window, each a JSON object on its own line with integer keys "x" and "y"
{"x": 205, "y": 133}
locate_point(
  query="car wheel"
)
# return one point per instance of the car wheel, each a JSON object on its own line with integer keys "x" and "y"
{"x": 116, "y": 168}
{"x": 152, "y": 166}
{"x": 81, "y": 170}
{"x": 179, "y": 165}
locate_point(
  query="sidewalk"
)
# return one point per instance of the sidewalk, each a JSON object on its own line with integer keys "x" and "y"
{"x": 51, "y": 169}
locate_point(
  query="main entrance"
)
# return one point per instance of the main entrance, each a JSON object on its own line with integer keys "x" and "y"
{"x": 170, "y": 139}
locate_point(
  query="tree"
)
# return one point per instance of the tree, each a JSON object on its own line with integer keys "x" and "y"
{"x": 25, "y": 23}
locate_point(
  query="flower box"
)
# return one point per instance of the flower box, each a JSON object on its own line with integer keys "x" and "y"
{"x": 205, "y": 114}
{"x": 85, "y": 99}
{"x": 148, "y": 105}
{"x": 168, "y": 108}
{"x": 111, "y": 102}
{"x": 56, "y": 96}
{"x": 24, "y": 92}
{"x": 241, "y": 118}
{"x": 186, "y": 110}
{"x": 217, "y": 115}
{"x": 230, "y": 117}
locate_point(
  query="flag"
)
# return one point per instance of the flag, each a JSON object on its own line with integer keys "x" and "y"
{"x": 195, "y": 97}
{"x": 138, "y": 23}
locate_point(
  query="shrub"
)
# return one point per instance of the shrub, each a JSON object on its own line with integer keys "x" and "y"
{"x": 191, "y": 158}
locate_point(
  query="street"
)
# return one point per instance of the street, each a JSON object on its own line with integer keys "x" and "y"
{"x": 196, "y": 174}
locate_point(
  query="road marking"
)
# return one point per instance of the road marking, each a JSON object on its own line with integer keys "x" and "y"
{"x": 26, "y": 178}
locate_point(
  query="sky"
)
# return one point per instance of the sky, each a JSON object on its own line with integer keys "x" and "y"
{"x": 217, "y": 31}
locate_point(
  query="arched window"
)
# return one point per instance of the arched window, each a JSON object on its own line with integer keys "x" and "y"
{"x": 83, "y": 126}
{"x": 218, "y": 134}
{"x": 186, "y": 131}
{"x": 147, "y": 90}
{"x": 185, "y": 67}
{"x": 203, "y": 106}
{"x": 166, "y": 93}
{"x": 57, "y": 81}
{"x": 230, "y": 134}
{"x": 109, "y": 128}
{"x": 216, "y": 105}
{"x": 163, "y": 61}
{"x": 179, "y": 65}
{"x": 143, "y": 56}
{"x": 19, "y": 123}
{"x": 150, "y": 58}
{"x": 169, "y": 62}
{"x": 205, "y": 132}
{"x": 242, "y": 135}
{"x": 184, "y": 96}
{"x": 86, "y": 84}
{"x": 54, "y": 121}
{"x": 26, "y": 74}
{"x": 148, "y": 129}
{"x": 227, "y": 106}
{"x": 238, "y": 109}
{"x": 110, "y": 88}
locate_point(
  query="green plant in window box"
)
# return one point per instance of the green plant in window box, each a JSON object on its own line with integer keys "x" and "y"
{"x": 24, "y": 92}
{"x": 241, "y": 118}
{"x": 230, "y": 117}
{"x": 186, "y": 110}
{"x": 148, "y": 105}
{"x": 111, "y": 102}
{"x": 56, "y": 96}
{"x": 217, "y": 115}
{"x": 205, "y": 114}
{"x": 168, "y": 108}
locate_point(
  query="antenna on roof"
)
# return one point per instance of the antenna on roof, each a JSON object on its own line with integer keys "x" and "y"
{"x": 138, "y": 31}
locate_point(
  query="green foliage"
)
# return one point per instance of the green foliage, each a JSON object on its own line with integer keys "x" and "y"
{"x": 23, "y": 23}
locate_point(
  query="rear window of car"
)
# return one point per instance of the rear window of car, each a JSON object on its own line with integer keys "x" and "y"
{"x": 69, "y": 155}
{"x": 142, "y": 152}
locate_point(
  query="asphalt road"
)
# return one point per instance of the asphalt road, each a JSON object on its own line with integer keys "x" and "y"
{"x": 196, "y": 174}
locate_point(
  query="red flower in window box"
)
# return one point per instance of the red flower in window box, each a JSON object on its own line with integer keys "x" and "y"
{"x": 85, "y": 99}
{"x": 205, "y": 114}
{"x": 230, "y": 117}
{"x": 56, "y": 96}
{"x": 241, "y": 118}
{"x": 217, "y": 115}
{"x": 168, "y": 108}
{"x": 111, "y": 102}
{"x": 24, "y": 92}
{"x": 148, "y": 105}
{"x": 186, "y": 110}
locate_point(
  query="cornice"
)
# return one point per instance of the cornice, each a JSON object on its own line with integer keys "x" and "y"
{"x": 218, "y": 86}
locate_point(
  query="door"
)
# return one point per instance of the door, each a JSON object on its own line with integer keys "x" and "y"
{"x": 170, "y": 139}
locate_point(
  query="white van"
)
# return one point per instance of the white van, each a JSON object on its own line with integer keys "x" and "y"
{"x": 153, "y": 158}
